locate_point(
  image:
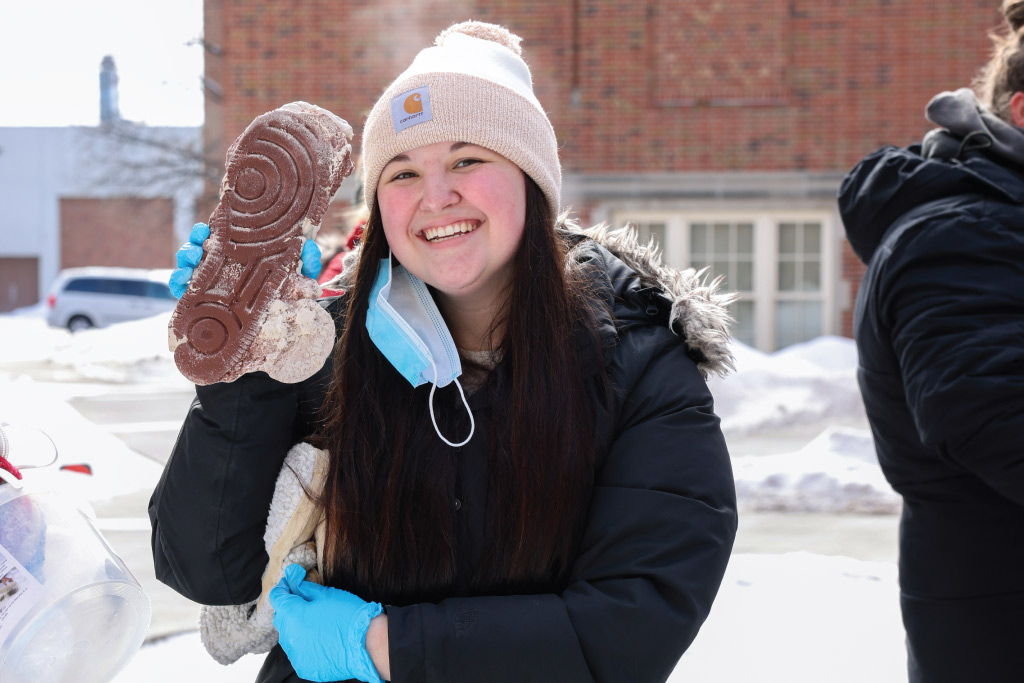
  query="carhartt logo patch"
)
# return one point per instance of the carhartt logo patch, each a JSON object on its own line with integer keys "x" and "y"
{"x": 410, "y": 108}
{"x": 413, "y": 103}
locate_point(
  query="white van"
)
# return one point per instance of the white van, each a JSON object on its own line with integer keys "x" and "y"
{"x": 81, "y": 298}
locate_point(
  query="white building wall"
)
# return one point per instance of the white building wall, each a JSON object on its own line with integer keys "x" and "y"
{"x": 39, "y": 166}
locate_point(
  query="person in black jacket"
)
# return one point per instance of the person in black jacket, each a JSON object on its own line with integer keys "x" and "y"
{"x": 526, "y": 478}
{"x": 940, "y": 333}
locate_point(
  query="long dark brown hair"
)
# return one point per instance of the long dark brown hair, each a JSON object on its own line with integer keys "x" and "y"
{"x": 389, "y": 491}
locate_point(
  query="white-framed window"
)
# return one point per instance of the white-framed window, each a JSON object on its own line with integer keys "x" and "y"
{"x": 782, "y": 264}
{"x": 799, "y": 309}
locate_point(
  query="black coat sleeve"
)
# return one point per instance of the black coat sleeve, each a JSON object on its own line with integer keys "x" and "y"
{"x": 658, "y": 538}
{"x": 954, "y": 302}
{"x": 209, "y": 509}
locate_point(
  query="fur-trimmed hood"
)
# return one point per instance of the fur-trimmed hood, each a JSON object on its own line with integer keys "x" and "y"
{"x": 633, "y": 272}
{"x": 696, "y": 311}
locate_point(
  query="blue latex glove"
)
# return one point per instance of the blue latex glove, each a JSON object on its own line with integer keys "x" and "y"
{"x": 191, "y": 253}
{"x": 310, "y": 259}
{"x": 323, "y": 630}
{"x": 188, "y": 258}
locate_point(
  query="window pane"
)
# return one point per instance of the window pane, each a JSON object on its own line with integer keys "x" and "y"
{"x": 787, "y": 238}
{"x": 698, "y": 239}
{"x": 811, "y": 281}
{"x": 645, "y": 231}
{"x": 721, "y": 238}
{"x": 797, "y": 321}
{"x": 745, "y": 238}
{"x": 811, "y": 320}
{"x": 722, "y": 268}
{"x": 812, "y": 239}
{"x": 743, "y": 328}
{"x": 787, "y": 276}
{"x": 787, "y": 323}
{"x": 657, "y": 231}
{"x": 744, "y": 275}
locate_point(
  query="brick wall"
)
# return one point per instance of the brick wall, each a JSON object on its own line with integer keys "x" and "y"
{"x": 660, "y": 85}
{"x": 651, "y": 86}
{"x": 142, "y": 229}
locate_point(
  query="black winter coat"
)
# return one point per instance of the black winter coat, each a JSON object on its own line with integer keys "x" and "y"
{"x": 652, "y": 556}
{"x": 940, "y": 333}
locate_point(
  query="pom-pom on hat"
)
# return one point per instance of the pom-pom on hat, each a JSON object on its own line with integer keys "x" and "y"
{"x": 471, "y": 86}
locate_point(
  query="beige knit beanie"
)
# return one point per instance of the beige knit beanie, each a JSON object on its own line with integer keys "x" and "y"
{"x": 471, "y": 86}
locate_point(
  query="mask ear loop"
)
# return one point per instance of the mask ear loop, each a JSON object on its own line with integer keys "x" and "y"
{"x": 472, "y": 422}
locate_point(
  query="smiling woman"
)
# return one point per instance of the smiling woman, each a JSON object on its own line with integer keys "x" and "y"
{"x": 524, "y": 475}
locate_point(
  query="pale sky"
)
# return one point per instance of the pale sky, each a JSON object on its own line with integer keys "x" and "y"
{"x": 50, "y": 53}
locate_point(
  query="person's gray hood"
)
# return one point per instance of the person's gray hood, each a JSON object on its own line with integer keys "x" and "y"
{"x": 975, "y": 127}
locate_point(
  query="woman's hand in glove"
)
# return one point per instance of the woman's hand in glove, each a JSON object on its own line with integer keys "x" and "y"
{"x": 323, "y": 630}
{"x": 191, "y": 253}
{"x": 187, "y": 258}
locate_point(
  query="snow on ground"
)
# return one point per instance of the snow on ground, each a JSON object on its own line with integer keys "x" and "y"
{"x": 803, "y": 384}
{"x": 836, "y": 472}
{"x": 130, "y": 352}
{"x": 182, "y": 658}
{"x": 800, "y": 617}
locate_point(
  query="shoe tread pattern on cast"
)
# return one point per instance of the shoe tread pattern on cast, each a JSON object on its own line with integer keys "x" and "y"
{"x": 281, "y": 174}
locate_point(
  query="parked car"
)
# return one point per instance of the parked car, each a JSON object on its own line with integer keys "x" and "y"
{"x": 81, "y": 298}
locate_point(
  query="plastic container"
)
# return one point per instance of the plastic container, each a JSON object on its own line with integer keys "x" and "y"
{"x": 73, "y": 613}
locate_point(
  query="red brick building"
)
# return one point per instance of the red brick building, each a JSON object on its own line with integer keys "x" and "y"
{"x": 722, "y": 129}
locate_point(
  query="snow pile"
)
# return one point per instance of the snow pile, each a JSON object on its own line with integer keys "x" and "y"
{"x": 38, "y": 310}
{"x": 805, "y": 383}
{"x": 28, "y": 339}
{"x": 837, "y": 472}
{"x": 129, "y": 352}
{"x": 775, "y": 402}
{"x": 134, "y": 351}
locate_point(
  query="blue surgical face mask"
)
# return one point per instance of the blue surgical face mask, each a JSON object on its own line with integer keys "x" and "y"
{"x": 406, "y": 326}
